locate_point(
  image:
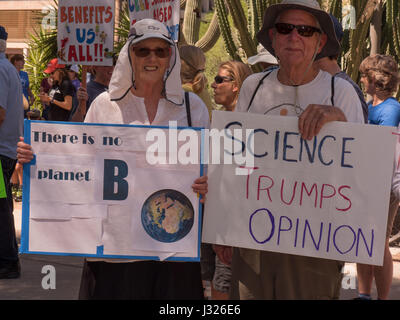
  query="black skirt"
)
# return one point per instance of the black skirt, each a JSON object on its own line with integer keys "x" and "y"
{"x": 141, "y": 280}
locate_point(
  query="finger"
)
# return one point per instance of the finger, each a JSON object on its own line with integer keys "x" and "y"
{"x": 303, "y": 120}
{"x": 202, "y": 179}
{"x": 313, "y": 124}
{"x": 306, "y": 125}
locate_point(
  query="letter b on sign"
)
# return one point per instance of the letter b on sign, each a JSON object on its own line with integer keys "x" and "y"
{"x": 115, "y": 186}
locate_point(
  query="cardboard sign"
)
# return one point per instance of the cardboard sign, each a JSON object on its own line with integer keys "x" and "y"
{"x": 327, "y": 197}
{"x": 91, "y": 191}
{"x": 167, "y": 12}
{"x": 86, "y": 32}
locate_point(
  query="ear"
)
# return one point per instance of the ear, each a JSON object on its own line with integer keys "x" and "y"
{"x": 323, "y": 41}
{"x": 271, "y": 34}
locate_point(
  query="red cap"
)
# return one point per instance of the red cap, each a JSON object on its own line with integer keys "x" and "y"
{"x": 53, "y": 65}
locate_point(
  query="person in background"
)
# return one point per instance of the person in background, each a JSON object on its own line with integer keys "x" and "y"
{"x": 226, "y": 86}
{"x": 45, "y": 86}
{"x": 99, "y": 82}
{"x": 73, "y": 72}
{"x": 227, "y": 83}
{"x": 59, "y": 98}
{"x": 140, "y": 93}
{"x": 193, "y": 62}
{"x": 34, "y": 114}
{"x": 192, "y": 73}
{"x": 380, "y": 79}
{"x": 18, "y": 61}
{"x": 11, "y": 127}
{"x": 330, "y": 64}
{"x": 264, "y": 58}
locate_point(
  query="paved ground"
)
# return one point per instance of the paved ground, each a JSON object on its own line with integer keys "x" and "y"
{"x": 68, "y": 273}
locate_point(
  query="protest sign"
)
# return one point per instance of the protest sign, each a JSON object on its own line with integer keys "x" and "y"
{"x": 166, "y": 12}
{"x": 3, "y": 192}
{"x": 91, "y": 191}
{"x": 327, "y": 197}
{"x": 86, "y": 32}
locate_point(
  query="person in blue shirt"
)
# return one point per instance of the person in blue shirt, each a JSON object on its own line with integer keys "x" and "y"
{"x": 379, "y": 75}
{"x": 11, "y": 128}
{"x": 18, "y": 61}
{"x": 380, "y": 78}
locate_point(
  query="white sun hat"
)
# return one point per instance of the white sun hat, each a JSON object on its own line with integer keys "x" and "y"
{"x": 262, "y": 56}
{"x": 123, "y": 78}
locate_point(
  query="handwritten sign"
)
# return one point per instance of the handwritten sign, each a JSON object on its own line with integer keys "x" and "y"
{"x": 92, "y": 192}
{"x": 166, "y": 12}
{"x": 86, "y": 32}
{"x": 325, "y": 198}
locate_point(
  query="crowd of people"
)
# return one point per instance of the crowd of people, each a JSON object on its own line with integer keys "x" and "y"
{"x": 298, "y": 52}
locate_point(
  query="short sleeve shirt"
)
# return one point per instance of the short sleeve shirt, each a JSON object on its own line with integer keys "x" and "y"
{"x": 11, "y": 101}
{"x": 58, "y": 92}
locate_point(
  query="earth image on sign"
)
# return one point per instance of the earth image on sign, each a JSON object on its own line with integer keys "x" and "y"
{"x": 167, "y": 215}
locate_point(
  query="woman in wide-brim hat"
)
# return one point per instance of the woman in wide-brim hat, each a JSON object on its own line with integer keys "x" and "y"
{"x": 145, "y": 89}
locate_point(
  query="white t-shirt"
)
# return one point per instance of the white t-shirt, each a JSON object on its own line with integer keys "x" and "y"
{"x": 131, "y": 110}
{"x": 274, "y": 98}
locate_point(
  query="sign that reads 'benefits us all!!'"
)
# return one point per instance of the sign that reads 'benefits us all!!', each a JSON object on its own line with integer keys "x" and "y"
{"x": 86, "y": 32}
{"x": 316, "y": 197}
{"x": 91, "y": 191}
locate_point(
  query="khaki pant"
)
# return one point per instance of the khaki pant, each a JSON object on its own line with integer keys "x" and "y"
{"x": 393, "y": 208}
{"x": 268, "y": 275}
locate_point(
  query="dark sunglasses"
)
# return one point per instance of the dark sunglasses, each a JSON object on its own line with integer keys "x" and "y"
{"x": 304, "y": 31}
{"x": 143, "y": 52}
{"x": 219, "y": 79}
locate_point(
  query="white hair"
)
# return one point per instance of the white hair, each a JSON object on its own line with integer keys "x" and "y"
{"x": 3, "y": 45}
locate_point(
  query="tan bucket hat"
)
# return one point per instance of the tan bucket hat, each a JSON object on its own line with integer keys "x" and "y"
{"x": 331, "y": 48}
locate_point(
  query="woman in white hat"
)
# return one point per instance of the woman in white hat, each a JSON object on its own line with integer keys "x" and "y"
{"x": 145, "y": 89}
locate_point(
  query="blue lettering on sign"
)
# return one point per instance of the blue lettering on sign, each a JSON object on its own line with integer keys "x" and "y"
{"x": 344, "y": 152}
{"x": 173, "y": 31}
{"x": 290, "y": 147}
{"x": 114, "y": 173}
{"x": 271, "y": 217}
{"x": 81, "y": 35}
{"x": 299, "y": 231}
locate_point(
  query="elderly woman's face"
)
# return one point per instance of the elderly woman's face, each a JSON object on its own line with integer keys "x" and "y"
{"x": 150, "y": 60}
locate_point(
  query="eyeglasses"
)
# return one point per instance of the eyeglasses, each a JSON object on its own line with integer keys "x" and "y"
{"x": 143, "y": 52}
{"x": 304, "y": 31}
{"x": 219, "y": 79}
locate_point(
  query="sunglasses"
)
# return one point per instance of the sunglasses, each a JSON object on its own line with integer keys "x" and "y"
{"x": 143, "y": 52}
{"x": 219, "y": 79}
{"x": 304, "y": 31}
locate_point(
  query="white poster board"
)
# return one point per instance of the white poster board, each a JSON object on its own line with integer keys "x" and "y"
{"x": 91, "y": 191}
{"x": 86, "y": 32}
{"x": 325, "y": 198}
{"x": 167, "y": 12}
